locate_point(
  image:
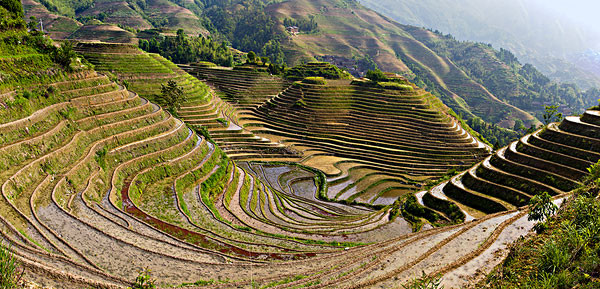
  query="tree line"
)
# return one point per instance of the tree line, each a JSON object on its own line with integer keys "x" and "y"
{"x": 185, "y": 49}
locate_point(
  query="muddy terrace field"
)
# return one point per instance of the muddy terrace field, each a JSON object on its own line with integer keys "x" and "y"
{"x": 294, "y": 185}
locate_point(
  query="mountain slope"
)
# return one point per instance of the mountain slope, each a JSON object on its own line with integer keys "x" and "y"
{"x": 348, "y": 29}
{"x": 534, "y": 32}
{"x": 476, "y": 81}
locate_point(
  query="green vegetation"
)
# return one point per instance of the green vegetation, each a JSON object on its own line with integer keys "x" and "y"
{"x": 249, "y": 28}
{"x": 376, "y": 75}
{"x": 314, "y": 80}
{"x": 503, "y": 75}
{"x": 424, "y": 282}
{"x": 143, "y": 281}
{"x": 11, "y": 273}
{"x": 317, "y": 69}
{"x": 306, "y": 25}
{"x": 541, "y": 208}
{"x": 494, "y": 134}
{"x": 450, "y": 209}
{"x": 565, "y": 254}
{"x": 171, "y": 96}
{"x": 13, "y": 6}
{"x": 185, "y": 49}
{"x": 395, "y": 86}
{"x": 551, "y": 114}
{"x": 284, "y": 281}
{"x": 413, "y": 212}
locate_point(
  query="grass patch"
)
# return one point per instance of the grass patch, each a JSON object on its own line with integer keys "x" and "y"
{"x": 566, "y": 251}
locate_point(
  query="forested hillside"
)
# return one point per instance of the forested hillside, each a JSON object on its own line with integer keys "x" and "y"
{"x": 501, "y": 72}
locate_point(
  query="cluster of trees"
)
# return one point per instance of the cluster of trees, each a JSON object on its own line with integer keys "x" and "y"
{"x": 494, "y": 134}
{"x": 248, "y": 27}
{"x": 326, "y": 70}
{"x": 274, "y": 69}
{"x": 185, "y": 49}
{"x": 366, "y": 62}
{"x": 8, "y": 19}
{"x": 12, "y": 6}
{"x": 305, "y": 25}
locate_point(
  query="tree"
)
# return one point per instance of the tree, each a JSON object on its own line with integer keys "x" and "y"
{"x": 551, "y": 114}
{"x": 376, "y": 75}
{"x": 519, "y": 126}
{"x": 13, "y": 6}
{"x": 251, "y": 57}
{"x": 144, "y": 44}
{"x": 541, "y": 208}
{"x": 64, "y": 54}
{"x": 171, "y": 96}
{"x": 32, "y": 24}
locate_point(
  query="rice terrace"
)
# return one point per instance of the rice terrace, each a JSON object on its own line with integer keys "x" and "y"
{"x": 143, "y": 145}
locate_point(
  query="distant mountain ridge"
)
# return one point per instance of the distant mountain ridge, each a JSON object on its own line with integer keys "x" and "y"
{"x": 535, "y": 33}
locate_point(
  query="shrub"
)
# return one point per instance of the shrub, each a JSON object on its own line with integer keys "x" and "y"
{"x": 395, "y": 86}
{"x": 322, "y": 69}
{"x": 143, "y": 281}
{"x": 223, "y": 121}
{"x": 594, "y": 171}
{"x": 251, "y": 57}
{"x": 205, "y": 64}
{"x": 314, "y": 80}
{"x": 10, "y": 275}
{"x": 541, "y": 207}
{"x": 424, "y": 282}
{"x": 101, "y": 157}
{"x": 412, "y": 207}
{"x": 449, "y": 208}
{"x": 551, "y": 114}
{"x": 64, "y": 54}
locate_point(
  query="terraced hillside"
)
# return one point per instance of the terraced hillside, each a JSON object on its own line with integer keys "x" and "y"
{"x": 145, "y": 74}
{"x": 553, "y": 159}
{"x": 98, "y": 182}
{"x": 374, "y": 144}
{"x": 104, "y": 183}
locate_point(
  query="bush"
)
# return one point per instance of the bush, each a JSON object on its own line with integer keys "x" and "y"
{"x": 449, "y": 208}
{"x": 541, "y": 207}
{"x": 424, "y": 282}
{"x": 251, "y": 57}
{"x": 143, "y": 281}
{"x": 205, "y": 64}
{"x": 314, "y": 80}
{"x": 64, "y": 54}
{"x": 395, "y": 86}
